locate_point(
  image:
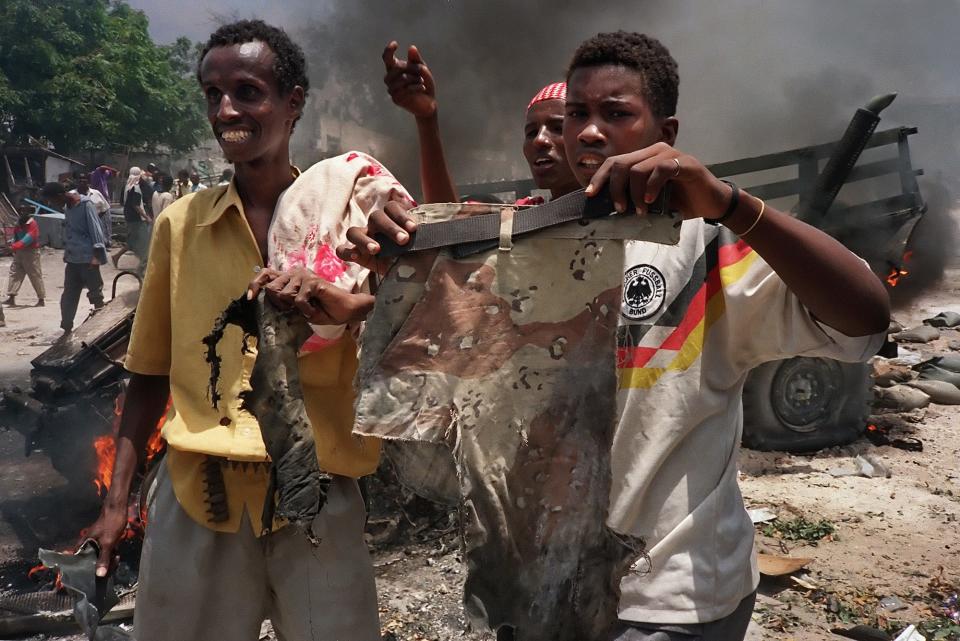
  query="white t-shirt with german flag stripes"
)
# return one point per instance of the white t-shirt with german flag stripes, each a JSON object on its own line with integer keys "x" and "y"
{"x": 695, "y": 318}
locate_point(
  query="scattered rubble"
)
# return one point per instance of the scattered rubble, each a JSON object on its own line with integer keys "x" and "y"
{"x": 892, "y": 604}
{"x": 900, "y": 397}
{"x": 943, "y": 319}
{"x": 761, "y": 515}
{"x": 775, "y": 565}
{"x": 862, "y": 465}
{"x": 919, "y": 334}
{"x": 886, "y": 373}
{"x": 940, "y": 392}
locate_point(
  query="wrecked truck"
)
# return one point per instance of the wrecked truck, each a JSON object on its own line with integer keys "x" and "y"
{"x": 805, "y": 404}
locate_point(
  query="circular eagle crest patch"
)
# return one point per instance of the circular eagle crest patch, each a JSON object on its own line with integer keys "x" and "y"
{"x": 643, "y": 292}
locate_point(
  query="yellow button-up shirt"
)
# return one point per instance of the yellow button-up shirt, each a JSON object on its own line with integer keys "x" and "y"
{"x": 202, "y": 256}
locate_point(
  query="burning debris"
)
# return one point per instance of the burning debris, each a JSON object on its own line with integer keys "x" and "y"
{"x": 106, "y": 446}
{"x": 93, "y": 596}
{"x": 897, "y": 271}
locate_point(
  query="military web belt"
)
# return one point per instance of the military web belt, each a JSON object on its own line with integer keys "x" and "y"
{"x": 483, "y": 232}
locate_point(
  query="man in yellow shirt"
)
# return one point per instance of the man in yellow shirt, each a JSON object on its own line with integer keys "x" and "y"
{"x": 207, "y": 571}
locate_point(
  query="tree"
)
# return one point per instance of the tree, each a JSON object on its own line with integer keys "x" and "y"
{"x": 84, "y": 74}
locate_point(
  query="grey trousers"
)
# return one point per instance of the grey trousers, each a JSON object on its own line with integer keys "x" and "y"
{"x": 201, "y": 585}
{"x": 76, "y": 278}
{"x": 732, "y": 627}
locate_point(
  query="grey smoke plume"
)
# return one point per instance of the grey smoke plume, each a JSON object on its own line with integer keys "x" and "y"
{"x": 755, "y": 75}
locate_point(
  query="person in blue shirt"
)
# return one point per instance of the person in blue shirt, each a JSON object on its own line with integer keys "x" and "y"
{"x": 84, "y": 251}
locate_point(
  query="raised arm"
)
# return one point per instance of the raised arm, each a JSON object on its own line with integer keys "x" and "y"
{"x": 411, "y": 86}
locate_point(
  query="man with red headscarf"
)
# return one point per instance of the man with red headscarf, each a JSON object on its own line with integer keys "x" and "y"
{"x": 411, "y": 86}
{"x": 543, "y": 144}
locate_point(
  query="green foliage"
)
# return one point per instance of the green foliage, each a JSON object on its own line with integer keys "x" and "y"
{"x": 84, "y": 74}
{"x": 940, "y": 629}
{"x": 799, "y": 529}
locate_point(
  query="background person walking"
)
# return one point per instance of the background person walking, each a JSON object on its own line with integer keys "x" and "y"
{"x": 84, "y": 251}
{"x": 137, "y": 217}
{"x": 26, "y": 258}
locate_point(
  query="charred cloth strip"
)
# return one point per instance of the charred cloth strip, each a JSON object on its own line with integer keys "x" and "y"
{"x": 298, "y": 488}
{"x": 215, "y": 490}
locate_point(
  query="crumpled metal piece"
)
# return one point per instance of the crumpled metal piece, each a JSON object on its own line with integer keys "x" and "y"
{"x": 508, "y": 359}
{"x": 93, "y": 597}
{"x": 276, "y": 400}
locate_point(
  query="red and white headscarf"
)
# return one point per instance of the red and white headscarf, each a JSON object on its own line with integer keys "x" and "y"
{"x": 555, "y": 91}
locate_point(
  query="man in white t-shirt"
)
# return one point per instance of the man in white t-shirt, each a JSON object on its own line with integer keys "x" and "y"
{"x": 195, "y": 184}
{"x": 163, "y": 197}
{"x": 746, "y": 284}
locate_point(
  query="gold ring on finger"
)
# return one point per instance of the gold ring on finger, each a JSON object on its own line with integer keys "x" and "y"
{"x": 677, "y": 172}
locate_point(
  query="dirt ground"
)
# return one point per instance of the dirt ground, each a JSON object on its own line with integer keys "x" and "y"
{"x": 891, "y": 537}
{"x": 31, "y": 330}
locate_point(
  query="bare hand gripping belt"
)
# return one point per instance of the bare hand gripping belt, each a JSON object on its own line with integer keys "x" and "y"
{"x": 500, "y": 366}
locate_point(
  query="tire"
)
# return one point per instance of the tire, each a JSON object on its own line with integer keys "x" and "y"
{"x": 805, "y": 404}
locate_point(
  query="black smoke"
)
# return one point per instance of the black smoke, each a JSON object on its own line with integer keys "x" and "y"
{"x": 756, "y": 75}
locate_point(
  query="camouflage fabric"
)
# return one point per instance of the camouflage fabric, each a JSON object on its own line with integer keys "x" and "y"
{"x": 507, "y": 360}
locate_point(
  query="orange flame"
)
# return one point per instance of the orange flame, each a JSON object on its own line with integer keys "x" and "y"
{"x": 897, "y": 271}
{"x": 155, "y": 444}
{"x": 37, "y": 569}
{"x": 106, "y": 445}
{"x": 106, "y": 448}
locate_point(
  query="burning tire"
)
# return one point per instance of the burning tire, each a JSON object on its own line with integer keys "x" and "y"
{"x": 805, "y": 404}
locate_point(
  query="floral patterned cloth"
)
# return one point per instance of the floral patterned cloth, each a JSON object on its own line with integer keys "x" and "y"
{"x": 312, "y": 218}
{"x": 529, "y": 201}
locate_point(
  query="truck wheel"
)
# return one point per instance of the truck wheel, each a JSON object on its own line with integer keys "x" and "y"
{"x": 805, "y": 404}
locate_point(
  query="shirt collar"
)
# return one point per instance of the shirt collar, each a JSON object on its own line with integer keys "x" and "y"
{"x": 229, "y": 198}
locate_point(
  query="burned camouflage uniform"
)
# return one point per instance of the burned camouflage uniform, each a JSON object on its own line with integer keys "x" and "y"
{"x": 507, "y": 358}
